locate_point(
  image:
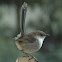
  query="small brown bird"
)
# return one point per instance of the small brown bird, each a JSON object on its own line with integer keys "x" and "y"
{"x": 31, "y": 42}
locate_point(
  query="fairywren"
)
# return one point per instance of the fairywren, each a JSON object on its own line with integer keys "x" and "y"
{"x": 30, "y": 42}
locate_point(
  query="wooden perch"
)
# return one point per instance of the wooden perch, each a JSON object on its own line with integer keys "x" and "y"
{"x": 25, "y": 59}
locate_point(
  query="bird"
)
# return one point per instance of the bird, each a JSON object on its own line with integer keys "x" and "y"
{"x": 31, "y": 42}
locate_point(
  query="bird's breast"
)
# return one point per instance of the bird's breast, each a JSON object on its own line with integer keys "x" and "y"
{"x": 40, "y": 41}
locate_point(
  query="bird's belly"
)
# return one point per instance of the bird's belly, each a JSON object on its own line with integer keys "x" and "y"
{"x": 32, "y": 47}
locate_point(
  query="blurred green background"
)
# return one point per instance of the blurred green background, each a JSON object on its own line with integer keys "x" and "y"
{"x": 45, "y": 15}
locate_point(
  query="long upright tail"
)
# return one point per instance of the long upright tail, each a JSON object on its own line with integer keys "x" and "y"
{"x": 23, "y": 16}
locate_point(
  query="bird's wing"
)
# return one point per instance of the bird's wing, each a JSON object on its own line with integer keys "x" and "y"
{"x": 28, "y": 39}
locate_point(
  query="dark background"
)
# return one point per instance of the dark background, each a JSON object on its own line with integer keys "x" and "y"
{"x": 45, "y": 15}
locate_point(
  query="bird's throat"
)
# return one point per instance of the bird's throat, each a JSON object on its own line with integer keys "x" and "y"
{"x": 40, "y": 40}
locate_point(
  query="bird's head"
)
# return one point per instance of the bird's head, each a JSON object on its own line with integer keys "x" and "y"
{"x": 41, "y": 33}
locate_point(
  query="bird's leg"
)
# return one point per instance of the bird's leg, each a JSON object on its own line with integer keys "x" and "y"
{"x": 27, "y": 54}
{"x": 30, "y": 56}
